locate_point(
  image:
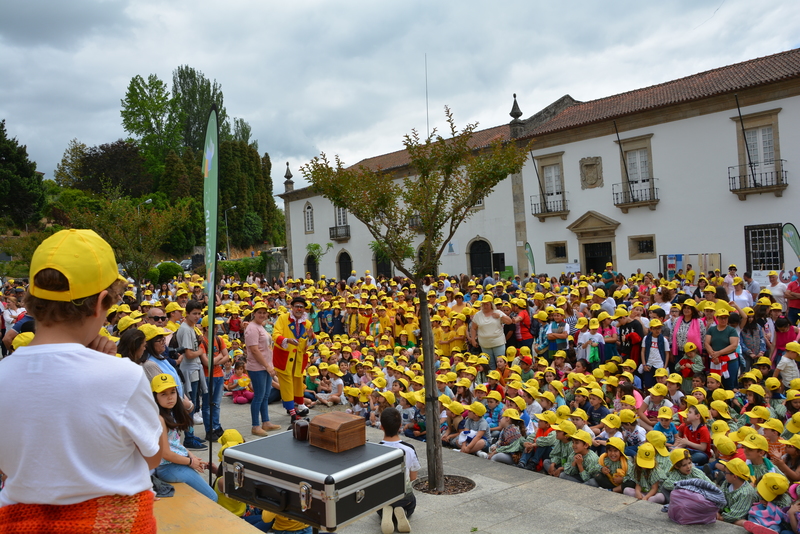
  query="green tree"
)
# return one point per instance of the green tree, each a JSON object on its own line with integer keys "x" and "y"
{"x": 242, "y": 132}
{"x": 315, "y": 251}
{"x": 174, "y": 182}
{"x": 21, "y": 188}
{"x": 195, "y": 93}
{"x": 448, "y": 179}
{"x": 69, "y": 171}
{"x": 153, "y": 117}
{"x": 21, "y": 249}
{"x": 120, "y": 164}
{"x": 135, "y": 235}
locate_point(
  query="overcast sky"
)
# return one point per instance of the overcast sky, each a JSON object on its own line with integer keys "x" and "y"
{"x": 348, "y": 77}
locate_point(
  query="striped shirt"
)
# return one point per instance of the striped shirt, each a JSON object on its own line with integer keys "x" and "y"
{"x": 647, "y": 477}
{"x": 591, "y": 467}
{"x": 739, "y": 501}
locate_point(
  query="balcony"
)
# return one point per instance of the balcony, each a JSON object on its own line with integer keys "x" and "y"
{"x": 550, "y": 206}
{"x": 340, "y": 233}
{"x": 632, "y": 194}
{"x": 415, "y": 223}
{"x": 746, "y": 180}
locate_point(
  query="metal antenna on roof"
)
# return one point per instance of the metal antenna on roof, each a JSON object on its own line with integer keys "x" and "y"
{"x": 624, "y": 164}
{"x": 427, "y": 116}
{"x": 744, "y": 138}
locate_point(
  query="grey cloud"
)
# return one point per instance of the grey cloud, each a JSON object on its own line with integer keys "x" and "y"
{"x": 61, "y": 23}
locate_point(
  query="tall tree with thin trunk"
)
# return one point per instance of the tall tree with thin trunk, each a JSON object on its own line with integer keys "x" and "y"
{"x": 448, "y": 178}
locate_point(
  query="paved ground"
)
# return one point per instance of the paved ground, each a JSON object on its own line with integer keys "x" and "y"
{"x": 505, "y": 500}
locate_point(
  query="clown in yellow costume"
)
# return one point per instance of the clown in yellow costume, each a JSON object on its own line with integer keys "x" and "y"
{"x": 293, "y": 335}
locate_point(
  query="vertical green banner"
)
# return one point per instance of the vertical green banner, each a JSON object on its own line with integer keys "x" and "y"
{"x": 529, "y": 253}
{"x": 211, "y": 207}
{"x": 791, "y": 237}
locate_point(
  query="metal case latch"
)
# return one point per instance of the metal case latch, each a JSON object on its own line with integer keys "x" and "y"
{"x": 238, "y": 475}
{"x": 305, "y": 496}
{"x": 360, "y": 495}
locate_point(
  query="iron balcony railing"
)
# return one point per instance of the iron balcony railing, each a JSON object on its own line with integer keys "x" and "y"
{"x": 631, "y": 192}
{"x": 757, "y": 176}
{"x": 340, "y": 232}
{"x": 542, "y": 205}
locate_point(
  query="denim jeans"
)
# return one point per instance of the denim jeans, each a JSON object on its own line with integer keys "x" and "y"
{"x": 733, "y": 374}
{"x": 211, "y": 420}
{"x": 183, "y": 473}
{"x": 493, "y": 353}
{"x": 195, "y": 397}
{"x": 699, "y": 457}
{"x": 262, "y": 385}
{"x": 535, "y": 456}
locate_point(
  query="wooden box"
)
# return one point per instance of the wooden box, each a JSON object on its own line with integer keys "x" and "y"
{"x": 337, "y": 431}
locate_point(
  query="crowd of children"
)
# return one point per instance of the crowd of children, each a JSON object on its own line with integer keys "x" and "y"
{"x": 630, "y": 385}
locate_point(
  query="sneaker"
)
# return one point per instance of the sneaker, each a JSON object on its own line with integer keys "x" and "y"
{"x": 198, "y": 418}
{"x": 387, "y": 522}
{"x": 301, "y": 410}
{"x": 402, "y": 521}
{"x": 194, "y": 443}
{"x": 482, "y": 454}
{"x": 214, "y": 435}
{"x": 329, "y": 403}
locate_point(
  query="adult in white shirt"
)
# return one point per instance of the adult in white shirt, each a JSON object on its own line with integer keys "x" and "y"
{"x": 12, "y": 311}
{"x": 777, "y": 289}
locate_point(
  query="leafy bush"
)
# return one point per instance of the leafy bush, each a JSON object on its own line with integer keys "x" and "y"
{"x": 168, "y": 271}
{"x": 153, "y": 275}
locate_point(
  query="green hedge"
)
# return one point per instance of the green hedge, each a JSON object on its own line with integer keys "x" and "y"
{"x": 168, "y": 271}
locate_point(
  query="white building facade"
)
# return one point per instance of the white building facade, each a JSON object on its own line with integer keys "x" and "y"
{"x": 694, "y": 171}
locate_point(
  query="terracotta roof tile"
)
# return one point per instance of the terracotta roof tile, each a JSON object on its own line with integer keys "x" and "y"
{"x": 400, "y": 158}
{"x": 727, "y": 79}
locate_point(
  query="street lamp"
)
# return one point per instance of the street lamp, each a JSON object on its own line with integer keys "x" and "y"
{"x": 148, "y": 201}
{"x": 227, "y": 237}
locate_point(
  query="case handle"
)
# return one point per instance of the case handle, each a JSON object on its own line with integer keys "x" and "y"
{"x": 270, "y": 497}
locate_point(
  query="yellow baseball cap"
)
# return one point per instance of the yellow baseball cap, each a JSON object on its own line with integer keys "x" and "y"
{"x": 738, "y": 467}
{"x": 773, "y": 424}
{"x": 566, "y": 426}
{"x": 677, "y": 455}
{"x": 659, "y": 442}
{"x": 582, "y": 435}
{"x": 162, "y": 382}
{"x": 82, "y": 256}
{"x": 628, "y": 416}
{"x": 617, "y": 443}
{"x": 756, "y": 441}
{"x": 478, "y": 409}
{"x": 646, "y": 456}
{"x": 772, "y": 485}
{"x": 665, "y": 412}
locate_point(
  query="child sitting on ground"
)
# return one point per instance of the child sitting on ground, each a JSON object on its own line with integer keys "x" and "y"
{"x": 613, "y": 467}
{"x": 239, "y": 385}
{"x": 643, "y": 478}
{"x": 682, "y": 469}
{"x": 764, "y": 512}
{"x": 740, "y": 495}
{"x": 585, "y": 464}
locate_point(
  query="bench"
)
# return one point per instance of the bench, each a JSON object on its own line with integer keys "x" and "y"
{"x": 189, "y": 511}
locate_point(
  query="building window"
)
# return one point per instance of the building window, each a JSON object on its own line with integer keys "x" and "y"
{"x": 556, "y": 252}
{"x": 636, "y": 166}
{"x": 551, "y": 181}
{"x": 763, "y": 245}
{"x": 642, "y": 247}
{"x": 308, "y": 215}
{"x": 759, "y": 148}
{"x": 341, "y": 216}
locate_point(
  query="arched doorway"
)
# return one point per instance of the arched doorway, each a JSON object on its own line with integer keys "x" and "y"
{"x": 311, "y": 267}
{"x": 345, "y": 265}
{"x": 383, "y": 266}
{"x": 480, "y": 258}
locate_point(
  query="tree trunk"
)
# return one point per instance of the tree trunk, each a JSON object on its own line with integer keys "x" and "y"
{"x": 433, "y": 434}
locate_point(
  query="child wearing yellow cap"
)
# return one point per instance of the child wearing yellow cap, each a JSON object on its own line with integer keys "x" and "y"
{"x": 694, "y": 434}
{"x": 682, "y": 469}
{"x": 537, "y": 446}
{"x": 766, "y": 514}
{"x": 786, "y": 370}
{"x": 740, "y": 494}
{"x": 643, "y": 478}
{"x": 585, "y": 463}
{"x": 508, "y": 446}
{"x": 71, "y": 444}
{"x": 479, "y": 428}
{"x": 613, "y": 467}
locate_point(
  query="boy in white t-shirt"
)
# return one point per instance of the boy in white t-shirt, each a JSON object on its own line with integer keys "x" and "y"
{"x": 66, "y": 448}
{"x": 395, "y": 516}
{"x": 589, "y": 340}
{"x": 786, "y": 370}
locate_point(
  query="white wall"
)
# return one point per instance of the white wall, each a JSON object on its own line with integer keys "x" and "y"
{"x": 697, "y": 213}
